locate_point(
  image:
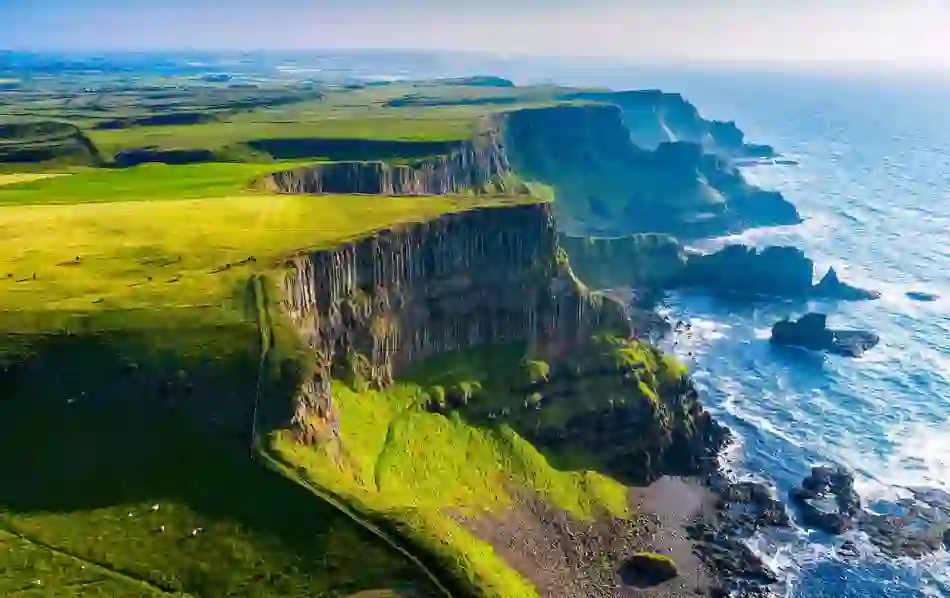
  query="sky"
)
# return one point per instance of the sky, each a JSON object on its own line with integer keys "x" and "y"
{"x": 903, "y": 31}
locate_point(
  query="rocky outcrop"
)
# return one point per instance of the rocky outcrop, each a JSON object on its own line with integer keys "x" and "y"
{"x": 655, "y": 117}
{"x": 777, "y": 271}
{"x": 607, "y": 186}
{"x": 831, "y": 287}
{"x": 741, "y": 270}
{"x": 372, "y": 307}
{"x": 477, "y": 166}
{"x": 650, "y": 263}
{"x": 811, "y": 332}
{"x": 910, "y": 527}
{"x": 827, "y": 500}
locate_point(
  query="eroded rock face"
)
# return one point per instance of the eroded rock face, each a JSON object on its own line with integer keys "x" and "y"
{"x": 645, "y": 261}
{"x": 608, "y": 186}
{"x": 372, "y": 307}
{"x": 480, "y": 165}
{"x": 656, "y": 117}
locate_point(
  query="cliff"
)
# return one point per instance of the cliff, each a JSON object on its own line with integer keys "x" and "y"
{"x": 655, "y": 117}
{"x": 651, "y": 263}
{"x": 373, "y": 307}
{"x": 603, "y": 182}
{"x": 465, "y": 380}
{"x": 606, "y": 185}
{"x": 644, "y": 261}
{"x": 479, "y": 166}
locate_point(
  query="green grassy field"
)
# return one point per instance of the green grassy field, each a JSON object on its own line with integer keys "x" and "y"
{"x": 161, "y": 236}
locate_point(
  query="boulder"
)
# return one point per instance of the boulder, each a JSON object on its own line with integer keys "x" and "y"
{"x": 646, "y": 570}
{"x": 831, "y": 287}
{"x": 811, "y": 332}
{"x": 827, "y": 500}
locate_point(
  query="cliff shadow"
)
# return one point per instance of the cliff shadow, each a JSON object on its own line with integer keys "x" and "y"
{"x": 350, "y": 150}
{"x": 95, "y": 433}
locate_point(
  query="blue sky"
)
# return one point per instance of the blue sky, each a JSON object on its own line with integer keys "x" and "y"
{"x": 907, "y": 31}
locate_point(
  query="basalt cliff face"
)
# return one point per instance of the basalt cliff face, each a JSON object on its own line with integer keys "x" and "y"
{"x": 373, "y": 307}
{"x": 548, "y": 365}
{"x": 655, "y": 117}
{"x": 479, "y": 166}
{"x": 607, "y": 185}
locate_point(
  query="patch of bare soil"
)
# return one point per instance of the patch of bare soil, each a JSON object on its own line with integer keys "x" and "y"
{"x": 568, "y": 558}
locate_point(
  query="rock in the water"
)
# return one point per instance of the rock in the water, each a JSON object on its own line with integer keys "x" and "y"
{"x": 909, "y": 527}
{"x": 827, "y": 500}
{"x": 921, "y": 296}
{"x": 751, "y": 506}
{"x": 779, "y": 270}
{"x": 742, "y": 270}
{"x": 646, "y": 570}
{"x": 811, "y": 332}
{"x": 831, "y": 287}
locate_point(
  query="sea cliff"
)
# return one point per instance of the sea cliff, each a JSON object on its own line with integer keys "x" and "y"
{"x": 479, "y": 316}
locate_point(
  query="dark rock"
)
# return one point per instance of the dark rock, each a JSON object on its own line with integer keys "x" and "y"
{"x": 780, "y": 271}
{"x": 742, "y": 270}
{"x": 921, "y": 296}
{"x": 911, "y": 527}
{"x": 811, "y": 332}
{"x": 831, "y": 287}
{"x": 827, "y": 500}
{"x": 646, "y": 570}
{"x": 750, "y": 505}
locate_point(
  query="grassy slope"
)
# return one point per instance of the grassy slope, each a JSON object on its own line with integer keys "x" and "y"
{"x": 422, "y": 470}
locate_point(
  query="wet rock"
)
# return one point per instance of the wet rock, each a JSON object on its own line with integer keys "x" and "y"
{"x": 911, "y": 527}
{"x": 831, "y": 287}
{"x": 921, "y": 296}
{"x": 827, "y": 500}
{"x": 811, "y": 332}
{"x": 646, "y": 570}
{"x": 751, "y": 506}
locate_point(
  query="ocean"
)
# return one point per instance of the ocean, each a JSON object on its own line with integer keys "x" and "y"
{"x": 873, "y": 185}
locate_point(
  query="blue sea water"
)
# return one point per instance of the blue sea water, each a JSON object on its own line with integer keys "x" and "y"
{"x": 873, "y": 185}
